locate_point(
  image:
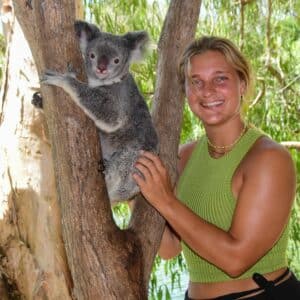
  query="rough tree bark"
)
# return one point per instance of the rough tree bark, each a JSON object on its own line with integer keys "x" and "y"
{"x": 32, "y": 256}
{"x": 104, "y": 262}
{"x": 178, "y": 29}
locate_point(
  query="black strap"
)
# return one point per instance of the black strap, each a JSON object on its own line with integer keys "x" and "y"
{"x": 268, "y": 285}
{"x": 264, "y": 286}
{"x": 262, "y": 282}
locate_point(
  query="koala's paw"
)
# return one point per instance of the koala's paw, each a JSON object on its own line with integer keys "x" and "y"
{"x": 101, "y": 166}
{"x": 37, "y": 100}
{"x": 71, "y": 70}
{"x": 52, "y": 78}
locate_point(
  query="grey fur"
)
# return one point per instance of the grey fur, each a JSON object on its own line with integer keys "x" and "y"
{"x": 112, "y": 100}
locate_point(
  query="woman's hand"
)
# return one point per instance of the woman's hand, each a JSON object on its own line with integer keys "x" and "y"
{"x": 156, "y": 185}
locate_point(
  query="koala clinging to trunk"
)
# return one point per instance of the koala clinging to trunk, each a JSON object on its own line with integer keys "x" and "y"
{"x": 112, "y": 100}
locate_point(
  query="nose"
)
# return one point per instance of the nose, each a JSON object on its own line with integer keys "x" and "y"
{"x": 208, "y": 89}
{"x": 102, "y": 63}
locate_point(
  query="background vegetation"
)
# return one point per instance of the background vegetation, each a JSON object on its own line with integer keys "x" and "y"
{"x": 268, "y": 32}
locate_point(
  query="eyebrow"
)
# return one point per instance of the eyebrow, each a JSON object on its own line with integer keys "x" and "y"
{"x": 222, "y": 72}
{"x": 215, "y": 73}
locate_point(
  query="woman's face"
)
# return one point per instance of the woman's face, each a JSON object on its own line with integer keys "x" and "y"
{"x": 213, "y": 88}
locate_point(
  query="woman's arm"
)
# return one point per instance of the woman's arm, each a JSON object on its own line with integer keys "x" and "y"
{"x": 263, "y": 207}
{"x": 170, "y": 244}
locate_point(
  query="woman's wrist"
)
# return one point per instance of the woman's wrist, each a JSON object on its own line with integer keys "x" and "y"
{"x": 167, "y": 206}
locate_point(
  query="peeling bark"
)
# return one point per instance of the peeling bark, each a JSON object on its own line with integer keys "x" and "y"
{"x": 32, "y": 257}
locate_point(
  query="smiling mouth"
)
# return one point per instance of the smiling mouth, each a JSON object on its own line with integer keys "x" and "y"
{"x": 212, "y": 104}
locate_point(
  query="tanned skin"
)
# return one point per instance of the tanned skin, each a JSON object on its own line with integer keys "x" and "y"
{"x": 263, "y": 185}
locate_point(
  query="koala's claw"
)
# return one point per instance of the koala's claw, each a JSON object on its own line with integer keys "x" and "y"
{"x": 37, "y": 100}
{"x": 51, "y": 72}
{"x": 55, "y": 78}
{"x": 48, "y": 75}
{"x": 71, "y": 70}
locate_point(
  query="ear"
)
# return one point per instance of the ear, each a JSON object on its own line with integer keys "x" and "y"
{"x": 242, "y": 87}
{"x": 85, "y": 32}
{"x": 137, "y": 42}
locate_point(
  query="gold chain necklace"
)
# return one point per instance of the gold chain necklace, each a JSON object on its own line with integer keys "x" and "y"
{"x": 230, "y": 145}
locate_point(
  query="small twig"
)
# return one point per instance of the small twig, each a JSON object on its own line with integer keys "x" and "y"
{"x": 291, "y": 145}
{"x": 242, "y": 24}
{"x": 260, "y": 94}
{"x": 289, "y": 84}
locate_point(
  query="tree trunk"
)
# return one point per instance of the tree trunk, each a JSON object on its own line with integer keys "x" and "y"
{"x": 178, "y": 29}
{"x": 32, "y": 256}
{"x": 104, "y": 262}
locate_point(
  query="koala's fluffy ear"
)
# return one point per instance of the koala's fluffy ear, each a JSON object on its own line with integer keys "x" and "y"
{"x": 85, "y": 32}
{"x": 137, "y": 41}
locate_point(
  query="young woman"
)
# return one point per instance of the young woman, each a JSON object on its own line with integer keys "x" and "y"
{"x": 231, "y": 208}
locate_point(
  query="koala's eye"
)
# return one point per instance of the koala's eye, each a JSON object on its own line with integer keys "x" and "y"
{"x": 116, "y": 61}
{"x": 92, "y": 55}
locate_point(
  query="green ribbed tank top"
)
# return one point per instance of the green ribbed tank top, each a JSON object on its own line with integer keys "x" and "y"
{"x": 205, "y": 187}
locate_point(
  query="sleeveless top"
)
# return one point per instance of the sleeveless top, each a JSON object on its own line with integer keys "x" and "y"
{"x": 205, "y": 187}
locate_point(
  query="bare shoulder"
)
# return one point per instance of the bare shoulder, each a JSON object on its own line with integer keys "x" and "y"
{"x": 265, "y": 148}
{"x": 184, "y": 154}
{"x": 268, "y": 156}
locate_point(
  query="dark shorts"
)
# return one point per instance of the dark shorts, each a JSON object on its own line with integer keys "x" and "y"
{"x": 269, "y": 290}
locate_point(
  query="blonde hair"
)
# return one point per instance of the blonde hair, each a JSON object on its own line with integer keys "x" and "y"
{"x": 231, "y": 53}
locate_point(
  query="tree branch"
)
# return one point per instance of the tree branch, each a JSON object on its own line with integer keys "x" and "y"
{"x": 178, "y": 30}
{"x": 242, "y": 23}
{"x": 260, "y": 94}
{"x": 291, "y": 145}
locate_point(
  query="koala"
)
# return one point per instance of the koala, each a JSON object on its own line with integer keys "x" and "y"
{"x": 112, "y": 100}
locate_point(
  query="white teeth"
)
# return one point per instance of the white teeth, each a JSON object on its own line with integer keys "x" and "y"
{"x": 210, "y": 104}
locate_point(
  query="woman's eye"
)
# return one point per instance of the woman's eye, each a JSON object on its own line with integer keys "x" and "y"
{"x": 220, "y": 79}
{"x": 92, "y": 55}
{"x": 196, "y": 82}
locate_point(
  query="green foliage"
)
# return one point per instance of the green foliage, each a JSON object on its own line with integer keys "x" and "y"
{"x": 171, "y": 269}
{"x": 270, "y": 40}
{"x": 121, "y": 214}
